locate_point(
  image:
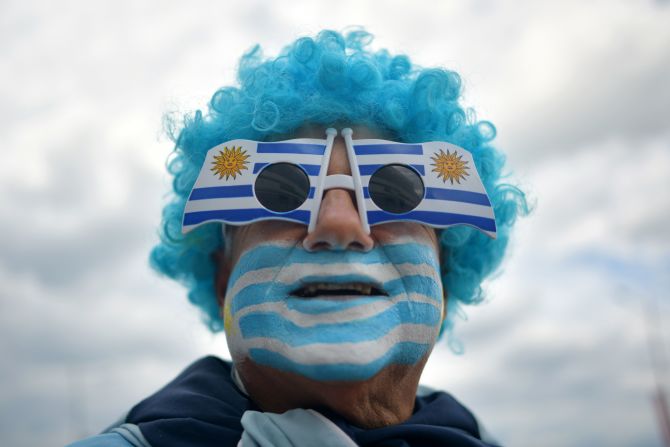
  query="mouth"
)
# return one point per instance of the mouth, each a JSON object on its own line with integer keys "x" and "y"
{"x": 315, "y": 289}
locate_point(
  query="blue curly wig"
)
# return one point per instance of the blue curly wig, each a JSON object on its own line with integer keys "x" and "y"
{"x": 335, "y": 78}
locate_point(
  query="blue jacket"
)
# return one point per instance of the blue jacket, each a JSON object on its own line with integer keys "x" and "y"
{"x": 204, "y": 407}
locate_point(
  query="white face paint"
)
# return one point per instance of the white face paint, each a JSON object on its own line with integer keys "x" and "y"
{"x": 394, "y": 320}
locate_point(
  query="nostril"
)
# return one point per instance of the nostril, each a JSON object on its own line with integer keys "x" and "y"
{"x": 319, "y": 246}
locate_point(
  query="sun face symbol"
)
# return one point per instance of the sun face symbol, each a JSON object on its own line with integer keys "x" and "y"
{"x": 230, "y": 162}
{"x": 450, "y": 166}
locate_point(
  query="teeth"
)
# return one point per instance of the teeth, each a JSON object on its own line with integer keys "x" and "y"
{"x": 364, "y": 289}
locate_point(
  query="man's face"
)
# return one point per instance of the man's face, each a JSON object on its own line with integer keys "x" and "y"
{"x": 336, "y": 304}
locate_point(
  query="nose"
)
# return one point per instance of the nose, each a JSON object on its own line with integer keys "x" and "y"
{"x": 338, "y": 225}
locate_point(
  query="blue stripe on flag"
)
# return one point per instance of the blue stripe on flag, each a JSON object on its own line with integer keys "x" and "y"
{"x": 395, "y": 148}
{"x": 449, "y": 194}
{"x": 309, "y": 169}
{"x": 227, "y": 192}
{"x": 290, "y": 148}
{"x": 218, "y": 192}
{"x": 457, "y": 196}
{"x": 243, "y": 215}
{"x": 370, "y": 169}
{"x": 434, "y": 218}
{"x": 266, "y": 256}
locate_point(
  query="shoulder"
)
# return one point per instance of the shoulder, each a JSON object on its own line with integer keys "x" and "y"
{"x": 445, "y": 408}
{"x": 202, "y": 399}
{"x": 202, "y": 387}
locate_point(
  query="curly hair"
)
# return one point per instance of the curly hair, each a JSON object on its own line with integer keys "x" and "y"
{"x": 336, "y": 78}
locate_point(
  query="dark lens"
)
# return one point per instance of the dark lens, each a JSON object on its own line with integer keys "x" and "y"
{"x": 282, "y": 187}
{"x": 396, "y": 188}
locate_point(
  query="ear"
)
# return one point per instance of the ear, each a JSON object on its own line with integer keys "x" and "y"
{"x": 223, "y": 269}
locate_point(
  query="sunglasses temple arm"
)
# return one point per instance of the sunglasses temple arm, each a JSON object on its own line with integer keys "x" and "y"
{"x": 356, "y": 174}
{"x": 318, "y": 194}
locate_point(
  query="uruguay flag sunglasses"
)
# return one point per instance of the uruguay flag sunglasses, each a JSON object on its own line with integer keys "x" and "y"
{"x": 434, "y": 183}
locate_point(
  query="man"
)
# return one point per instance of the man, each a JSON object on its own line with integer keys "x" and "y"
{"x": 332, "y": 280}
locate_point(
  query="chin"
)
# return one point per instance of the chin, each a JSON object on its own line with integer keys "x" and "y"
{"x": 384, "y": 399}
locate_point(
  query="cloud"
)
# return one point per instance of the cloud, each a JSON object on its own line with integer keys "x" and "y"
{"x": 551, "y": 351}
{"x": 87, "y": 214}
{"x": 606, "y": 196}
{"x": 81, "y": 355}
{"x": 556, "y": 78}
{"x": 577, "y": 91}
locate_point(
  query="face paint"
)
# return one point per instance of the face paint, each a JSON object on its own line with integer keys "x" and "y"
{"x": 331, "y": 337}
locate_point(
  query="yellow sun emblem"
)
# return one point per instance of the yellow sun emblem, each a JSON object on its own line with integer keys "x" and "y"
{"x": 230, "y": 162}
{"x": 450, "y": 166}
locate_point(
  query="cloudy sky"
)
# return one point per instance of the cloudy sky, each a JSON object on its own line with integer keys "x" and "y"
{"x": 579, "y": 91}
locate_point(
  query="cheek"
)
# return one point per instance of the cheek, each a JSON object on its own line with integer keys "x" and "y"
{"x": 405, "y": 233}
{"x": 245, "y": 238}
{"x": 418, "y": 269}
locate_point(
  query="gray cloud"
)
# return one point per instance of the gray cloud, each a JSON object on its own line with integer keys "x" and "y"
{"x": 601, "y": 100}
{"x": 577, "y": 91}
{"x": 65, "y": 230}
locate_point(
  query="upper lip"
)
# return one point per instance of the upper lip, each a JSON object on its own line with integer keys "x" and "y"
{"x": 314, "y": 288}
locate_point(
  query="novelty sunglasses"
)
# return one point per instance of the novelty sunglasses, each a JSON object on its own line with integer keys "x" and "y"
{"x": 434, "y": 183}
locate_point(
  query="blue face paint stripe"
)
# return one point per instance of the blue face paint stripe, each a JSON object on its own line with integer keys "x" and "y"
{"x": 273, "y": 255}
{"x": 266, "y": 256}
{"x": 403, "y": 353}
{"x": 261, "y": 257}
{"x": 270, "y": 291}
{"x": 317, "y": 306}
{"x": 256, "y": 325}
